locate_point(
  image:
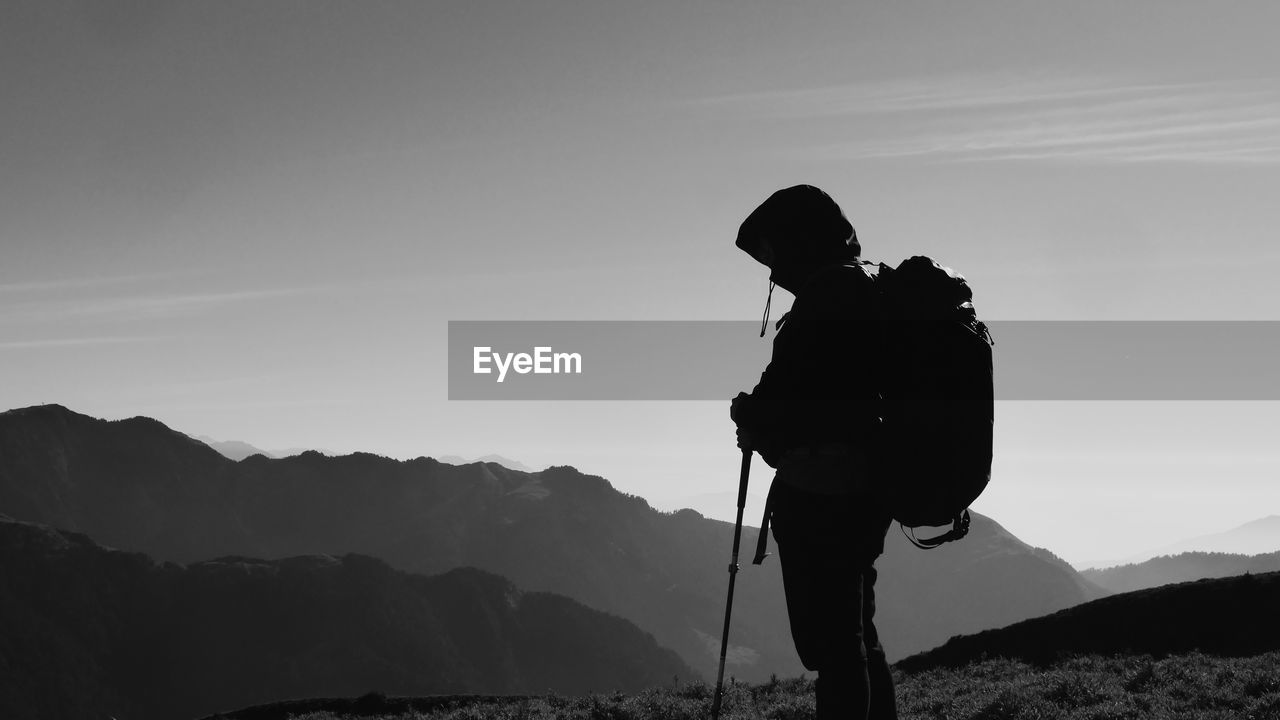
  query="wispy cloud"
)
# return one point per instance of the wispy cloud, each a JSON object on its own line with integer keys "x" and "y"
{"x": 136, "y": 307}
{"x": 172, "y": 304}
{"x": 1003, "y": 118}
{"x": 68, "y": 284}
{"x": 923, "y": 94}
{"x": 58, "y": 343}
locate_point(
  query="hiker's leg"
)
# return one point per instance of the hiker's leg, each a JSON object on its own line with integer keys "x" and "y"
{"x": 883, "y": 704}
{"x": 798, "y": 549}
{"x": 836, "y": 694}
{"x": 823, "y": 578}
{"x": 843, "y": 688}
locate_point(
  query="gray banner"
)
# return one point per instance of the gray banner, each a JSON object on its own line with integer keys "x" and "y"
{"x": 714, "y": 360}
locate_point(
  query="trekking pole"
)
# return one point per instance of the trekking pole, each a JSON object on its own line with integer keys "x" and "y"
{"x": 733, "y": 575}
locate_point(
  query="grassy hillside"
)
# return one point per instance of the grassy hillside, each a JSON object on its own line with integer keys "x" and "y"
{"x": 1227, "y": 617}
{"x": 1183, "y": 687}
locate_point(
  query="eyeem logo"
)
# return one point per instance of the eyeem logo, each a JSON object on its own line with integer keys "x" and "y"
{"x": 542, "y": 362}
{"x": 1051, "y": 360}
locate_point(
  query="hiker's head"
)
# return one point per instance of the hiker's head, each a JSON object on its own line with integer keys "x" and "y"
{"x": 797, "y": 231}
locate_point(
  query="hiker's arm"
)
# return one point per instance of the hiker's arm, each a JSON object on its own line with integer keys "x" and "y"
{"x": 816, "y": 355}
{"x": 764, "y": 414}
{"x": 770, "y": 410}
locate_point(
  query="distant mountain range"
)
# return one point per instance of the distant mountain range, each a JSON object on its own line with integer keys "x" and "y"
{"x": 239, "y": 449}
{"x": 1227, "y": 616}
{"x": 987, "y": 580}
{"x": 1257, "y": 537}
{"x": 722, "y": 505}
{"x": 497, "y": 459}
{"x": 138, "y": 485}
{"x": 235, "y": 449}
{"x": 1183, "y": 567}
{"x": 87, "y": 631}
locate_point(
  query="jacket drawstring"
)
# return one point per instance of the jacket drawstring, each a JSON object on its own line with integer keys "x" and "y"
{"x": 764, "y": 322}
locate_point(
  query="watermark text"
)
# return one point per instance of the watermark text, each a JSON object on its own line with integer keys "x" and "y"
{"x": 543, "y": 361}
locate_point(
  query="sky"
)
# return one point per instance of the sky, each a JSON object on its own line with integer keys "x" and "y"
{"x": 253, "y": 220}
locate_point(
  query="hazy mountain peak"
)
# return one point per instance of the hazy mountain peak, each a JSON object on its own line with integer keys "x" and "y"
{"x": 1269, "y": 522}
{"x": 497, "y": 459}
{"x": 233, "y": 449}
{"x": 1255, "y": 537}
{"x": 47, "y": 410}
{"x": 72, "y": 426}
{"x": 1183, "y": 567}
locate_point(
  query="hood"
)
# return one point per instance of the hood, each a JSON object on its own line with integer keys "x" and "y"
{"x": 798, "y": 225}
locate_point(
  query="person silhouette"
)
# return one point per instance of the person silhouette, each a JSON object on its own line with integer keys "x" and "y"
{"x": 811, "y": 417}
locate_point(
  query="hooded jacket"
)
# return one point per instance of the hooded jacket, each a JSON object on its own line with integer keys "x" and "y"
{"x": 819, "y": 387}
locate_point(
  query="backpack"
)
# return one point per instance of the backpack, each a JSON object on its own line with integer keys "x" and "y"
{"x": 933, "y": 454}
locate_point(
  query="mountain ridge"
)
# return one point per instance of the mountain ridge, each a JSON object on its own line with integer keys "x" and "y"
{"x": 1183, "y": 567}
{"x": 86, "y": 629}
{"x": 1221, "y": 616}
{"x": 558, "y": 530}
{"x": 1256, "y": 537}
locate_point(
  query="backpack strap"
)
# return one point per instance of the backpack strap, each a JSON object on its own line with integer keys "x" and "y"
{"x": 762, "y": 543}
{"x": 959, "y": 528}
